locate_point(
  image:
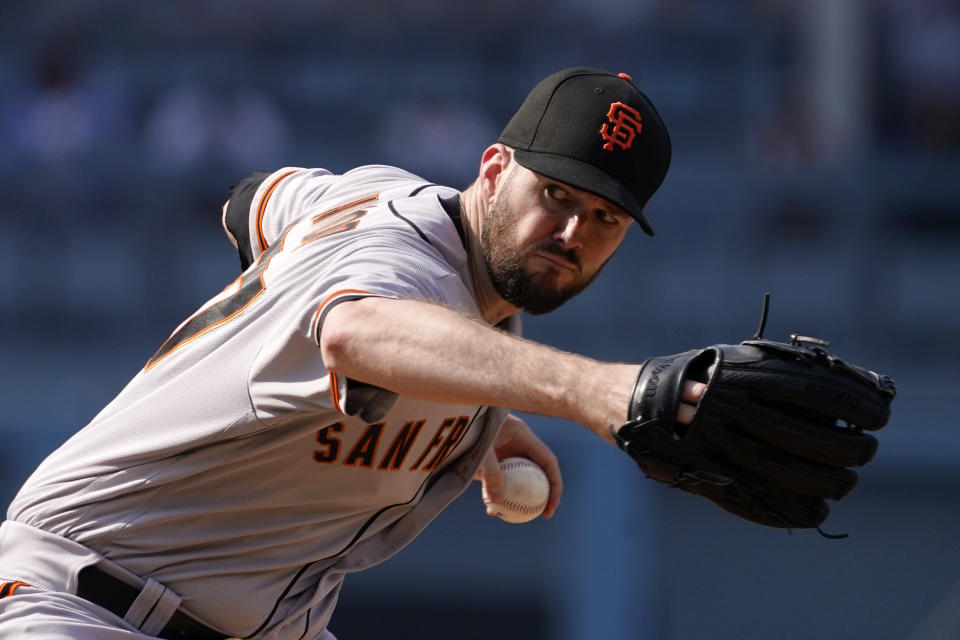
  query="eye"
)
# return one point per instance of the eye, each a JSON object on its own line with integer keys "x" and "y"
{"x": 556, "y": 192}
{"x": 607, "y": 218}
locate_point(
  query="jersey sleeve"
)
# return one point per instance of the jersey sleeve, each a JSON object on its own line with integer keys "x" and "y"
{"x": 263, "y": 204}
{"x": 387, "y": 264}
{"x": 392, "y": 262}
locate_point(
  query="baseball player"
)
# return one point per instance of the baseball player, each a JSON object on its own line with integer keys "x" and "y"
{"x": 312, "y": 418}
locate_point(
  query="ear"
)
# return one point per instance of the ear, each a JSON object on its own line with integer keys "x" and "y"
{"x": 493, "y": 168}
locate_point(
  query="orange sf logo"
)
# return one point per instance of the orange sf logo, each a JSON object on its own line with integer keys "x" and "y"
{"x": 625, "y": 123}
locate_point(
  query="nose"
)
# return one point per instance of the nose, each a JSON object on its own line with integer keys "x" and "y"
{"x": 569, "y": 231}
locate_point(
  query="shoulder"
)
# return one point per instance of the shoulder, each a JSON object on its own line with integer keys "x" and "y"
{"x": 395, "y": 197}
{"x": 383, "y": 203}
{"x": 317, "y": 183}
{"x": 421, "y": 211}
{"x": 391, "y": 182}
{"x": 381, "y": 173}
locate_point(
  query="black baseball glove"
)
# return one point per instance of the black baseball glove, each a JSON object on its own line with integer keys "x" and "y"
{"x": 774, "y": 435}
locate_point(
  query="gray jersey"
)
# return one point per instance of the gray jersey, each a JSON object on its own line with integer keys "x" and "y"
{"x": 235, "y": 468}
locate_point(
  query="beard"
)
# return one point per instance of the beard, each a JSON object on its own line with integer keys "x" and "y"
{"x": 536, "y": 293}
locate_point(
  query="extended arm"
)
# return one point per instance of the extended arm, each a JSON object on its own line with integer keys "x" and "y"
{"x": 434, "y": 353}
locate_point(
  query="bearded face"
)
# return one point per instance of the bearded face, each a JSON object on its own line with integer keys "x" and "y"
{"x": 506, "y": 259}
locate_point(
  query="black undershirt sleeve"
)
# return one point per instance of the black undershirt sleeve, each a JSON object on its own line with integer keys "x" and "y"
{"x": 237, "y": 219}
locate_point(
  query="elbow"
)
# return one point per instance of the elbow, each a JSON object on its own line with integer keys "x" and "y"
{"x": 339, "y": 336}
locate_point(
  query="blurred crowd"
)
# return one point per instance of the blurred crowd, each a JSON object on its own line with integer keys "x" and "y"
{"x": 113, "y": 114}
{"x": 203, "y": 99}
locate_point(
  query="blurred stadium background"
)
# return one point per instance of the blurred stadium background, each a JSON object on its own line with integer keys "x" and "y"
{"x": 816, "y": 156}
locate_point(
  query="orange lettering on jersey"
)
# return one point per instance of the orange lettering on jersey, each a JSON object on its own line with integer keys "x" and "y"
{"x": 338, "y": 219}
{"x": 356, "y": 204}
{"x": 435, "y": 442}
{"x": 343, "y": 222}
{"x": 331, "y": 446}
{"x": 453, "y": 439}
{"x": 400, "y": 446}
{"x": 365, "y": 448}
{"x": 363, "y": 451}
{"x": 626, "y": 125}
{"x": 246, "y": 289}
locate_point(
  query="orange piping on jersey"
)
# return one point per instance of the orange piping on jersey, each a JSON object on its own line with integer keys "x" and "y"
{"x": 9, "y": 588}
{"x": 335, "y": 391}
{"x": 323, "y": 305}
{"x": 262, "y": 207}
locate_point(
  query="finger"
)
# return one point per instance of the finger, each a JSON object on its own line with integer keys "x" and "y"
{"x": 690, "y": 396}
{"x": 540, "y": 453}
{"x": 524, "y": 442}
{"x": 486, "y": 464}
{"x": 491, "y": 478}
{"x": 556, "y": 491}
{"x": 685, "y": 413}
{"x": 551, "y": 467}
{"x": 692, "y": 391}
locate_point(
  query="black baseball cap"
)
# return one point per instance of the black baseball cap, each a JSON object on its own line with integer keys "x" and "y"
{"x": 595, "y": 131}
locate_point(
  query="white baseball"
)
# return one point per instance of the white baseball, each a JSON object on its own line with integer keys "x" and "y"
{"x": 525, "y": 491}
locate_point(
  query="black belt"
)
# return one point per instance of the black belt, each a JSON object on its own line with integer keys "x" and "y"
{"x": 113, "y": 594}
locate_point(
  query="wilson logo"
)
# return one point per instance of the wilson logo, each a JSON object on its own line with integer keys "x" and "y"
{"x": 840, "y": 396}
{"x": 623, "y": 128}
{"x": 654, "y": 381}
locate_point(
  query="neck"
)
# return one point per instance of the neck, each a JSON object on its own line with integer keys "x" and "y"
{"x": 492, "y": 306}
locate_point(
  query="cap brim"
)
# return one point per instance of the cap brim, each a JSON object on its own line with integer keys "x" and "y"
{"x": 583, "y": 175}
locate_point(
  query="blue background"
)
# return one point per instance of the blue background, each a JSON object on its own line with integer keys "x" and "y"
{"x": 816, "y": 157}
